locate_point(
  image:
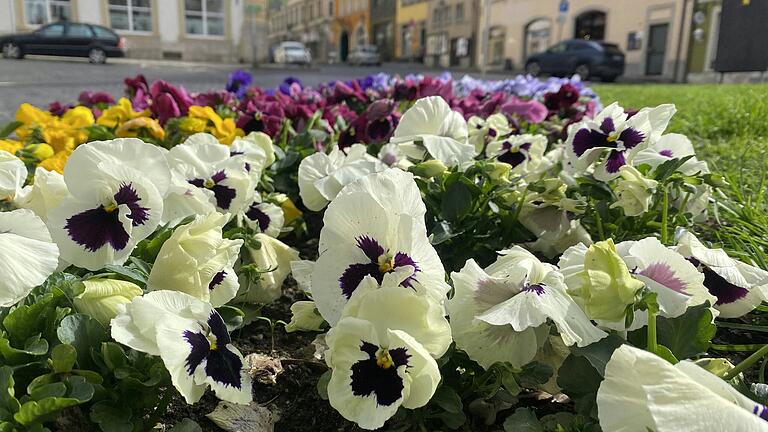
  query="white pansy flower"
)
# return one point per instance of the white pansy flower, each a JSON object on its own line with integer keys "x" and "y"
{"x": 392, "y": 156}
{"x": 101, "y": 298}
{"x": 13, "y": 174}
{"x": 264, "y": 217}
{"x": 643, "y": 392}
{"x": 322, "y": 176}
{"x": 554, "y": 230}
{"x": 373, "y": 228}
{"x": 431, "y": 128}
{"x": 524, "y": 153}
{"x": 375, "y": 372}
{"x": 257, "y": 151}
{"x": 738, "y": 287}
{"x": 46, "y": 193}
{"x": 302, "y": 273}
{"x": 390, "y": 306}
{"x": 668, "y": 147}
{"x": 274, "y": 259}
{"x": 191, "y": 338}
{"x": 499, "y": 314}
{"x": 613, "y": 139}
{"x": 197, "y": 260}
{"x": 482, "y": 130}
{"x": 634, "y": 191}
{"x": 115, "y": 200}
{"x": 206, "y": 165}
{"x": 27, "y": 255}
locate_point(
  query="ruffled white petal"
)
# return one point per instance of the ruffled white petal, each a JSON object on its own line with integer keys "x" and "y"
{"x": 13, "y": 174}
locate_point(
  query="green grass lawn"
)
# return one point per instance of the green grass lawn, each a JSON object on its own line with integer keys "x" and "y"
{"x": 728, "y": 125}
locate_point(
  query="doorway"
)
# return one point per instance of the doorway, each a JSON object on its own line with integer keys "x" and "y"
{"x": 657, "y": 49}
{"x": 344, "y": 46}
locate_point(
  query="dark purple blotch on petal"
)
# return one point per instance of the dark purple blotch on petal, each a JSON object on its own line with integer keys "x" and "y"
{"x": 355, "y": 273}
{"x": 224, "y": 194}
{"x": 200, "y": 349}
{"x": 514, "y": 158}
{"x": 631, "y": 137}
{"x": 127, "y": 195}
{"x": 254, "y": 213}
{"x": 384, "y": 383}
{"x": 218, "y": 278}
{"x": 666, "y": 152}
{"x": 615, "y": 161}
{"x": 586, "y": 139}
{"x": 370, "y": 247}
{"x": 539, "y": 289}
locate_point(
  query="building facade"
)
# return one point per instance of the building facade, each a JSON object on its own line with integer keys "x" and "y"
{"x": 411, "y": 30}
{"x": 212, "y": 30}
{"x": 351, "y": 26}
{"x": 452, "y": 33}
{"x": 307, "y": 21}
{"x": 383, "y": 27}
{"x": 653, "y": 34}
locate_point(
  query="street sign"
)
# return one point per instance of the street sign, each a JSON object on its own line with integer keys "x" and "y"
{"x": 563, "y": 6}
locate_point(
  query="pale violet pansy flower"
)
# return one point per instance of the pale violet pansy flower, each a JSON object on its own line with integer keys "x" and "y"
{"x": 613, "y": 139}
{"x": 482, "y": 130}
{"x": 115, "y": 200}
{"x": 500, "y": 313}
{"x": 431, "y": 128}
{"x": 191, "y": 338}
{"x": 264, "y": 216}
{"x": 524, "y": 153}
{"x": 210, "y": 171}
{"x": 376, "y": 371}
{"x": 668, "y": 147}
{"x": 738, "y": 287}
{"x": 198, "y": 260}
{"x": 13, "y": 174}
{"x": 322, "y": 176}
{"x": 257, "y": 152}
{"x": 373, "y": 228}
{"x": 46, "y": 193}
{"x": 643, "y": 392}
{"x": 27, "y": 255}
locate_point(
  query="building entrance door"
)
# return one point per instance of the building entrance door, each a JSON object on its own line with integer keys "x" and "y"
{"x": 657, "y": 49}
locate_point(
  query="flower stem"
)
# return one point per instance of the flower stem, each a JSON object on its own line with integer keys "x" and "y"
{"x": 747, "y": 362}
{"x": 653, "y": 345}
{"x": 664, "y": 216}
{"x": 599, "y": 222}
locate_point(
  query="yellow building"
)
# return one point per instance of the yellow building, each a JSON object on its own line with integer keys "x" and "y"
{"x": 351, "y": 26}
{"x": 411, "y": 29}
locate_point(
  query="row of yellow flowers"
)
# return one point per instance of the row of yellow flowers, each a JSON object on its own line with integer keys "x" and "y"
{"x": 47, "y": 140}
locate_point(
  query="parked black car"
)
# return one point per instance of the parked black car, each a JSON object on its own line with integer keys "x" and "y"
{"x": 65, "y": 39}
{"x": 587, "y": 58}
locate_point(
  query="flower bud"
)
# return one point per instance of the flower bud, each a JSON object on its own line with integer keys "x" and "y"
{"x": 608, "y": 287}
{"x": 304, "y": 317}
{"x": 634, "y": 191}
{"x": 40, "y": 151}
{"x": 273, "y": 259}
{"x": 101, "y": 298}
{"x": 429, "y": 169}
{"x": 498, "y": 171}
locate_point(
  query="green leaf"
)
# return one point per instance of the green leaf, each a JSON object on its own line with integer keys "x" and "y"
{"x": 111, "y": 418}
{"x": 113, "y": 355}
{"x": 580, "y": 380}
{"x": 666, "y": 354}
{"x": 33, "y": 347}
{"x": 9, "y": 128}
{"x": 133, "y": 275}
{"x": 600, "y": 352}
{"x": 233, "y": 317}
{"x": 523, "y": 420}
{"x": 84, "y": 333}
{"x": 63, "y": 358}
{"x": 535, "y": 373}
{"x": 28, "y": 320}
{"x": 186, "y": 425}
{"x": 79, "y": 388}
{"x": 100, "y": 133}
{"x": 447, "y": 399}
{"x": 457, "y": 201}
{"x": 8, "y": 403}
{"x": 45, "y": 409}
{"x": 51, "y": 390}
{"x": 685, "y": 336}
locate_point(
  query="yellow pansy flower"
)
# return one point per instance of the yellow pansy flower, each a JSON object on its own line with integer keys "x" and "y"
{"x": 225, "y": 130}
{"x": 11, "y": 146}
{"x": 119, "y": 113}
{"x": 57, "y": 161}
{"x": 140, "y": 126}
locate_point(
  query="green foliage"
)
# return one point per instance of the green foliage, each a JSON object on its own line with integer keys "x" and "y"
{"x": 686, "y": 336}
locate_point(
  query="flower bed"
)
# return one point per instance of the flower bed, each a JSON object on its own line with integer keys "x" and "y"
{"x": 467, "y": 255}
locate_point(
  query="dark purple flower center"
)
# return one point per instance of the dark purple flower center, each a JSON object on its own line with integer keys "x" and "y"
{"x": 96, "y": 227}
{"x": 514, "y": 156}
{"x": 586, "y": 139}
{"x": 223, "y": 194}
{"x": 539, "y": 289}
{"x": 254, "y": 213}
{"x": 221, "y": 364}
{"x": 381, "y": 262}
{"x": 725, "y": 291}
{"x": 378, "y": 375}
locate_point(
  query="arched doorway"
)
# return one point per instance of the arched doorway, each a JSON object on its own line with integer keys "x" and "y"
{"x": 344, "y": 46}
{"x": 590, "y": 25}
{"x": 537, "y": 34}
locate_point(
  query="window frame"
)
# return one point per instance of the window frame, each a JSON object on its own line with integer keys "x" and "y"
{"x": 48, "y": 19}
{"x": 129, "y": 8}
{"x": 204, "y": 14}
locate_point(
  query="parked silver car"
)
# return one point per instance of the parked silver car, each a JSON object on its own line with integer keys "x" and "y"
{"x": 292, "y": 53}
{"x": 364, "y": 55}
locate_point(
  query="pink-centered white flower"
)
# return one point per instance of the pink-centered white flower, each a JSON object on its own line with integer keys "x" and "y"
{"x": 500, "y": 313}
{"x": 643, "y": 392}
{"x": 374, "y": 227}
{"x": 115, "y": 200}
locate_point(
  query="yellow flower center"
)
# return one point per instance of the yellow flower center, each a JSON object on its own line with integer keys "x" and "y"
{"x": 212, "y": 342}
{"x": 257, "y": 116}
{"x": 612, "y": 137}
{"x": 383, "y": 359}
{"x": 209, "y": 184}
{"x": 386, "y": 263}
{"x": 109, "y": 208}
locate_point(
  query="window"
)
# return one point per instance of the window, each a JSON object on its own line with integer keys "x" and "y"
{"x": 53, "y": 30}
{"x": 330, "y": 8}
{"x": 460, "y": 12}
{"x": 103, "y": 33}
{"x": 590, "y": 25}
{"x": 79, "y": 30}
{"x": 130, "y": 15}
{"x": 37, "y": 12}
{"x": 204, "y": 17}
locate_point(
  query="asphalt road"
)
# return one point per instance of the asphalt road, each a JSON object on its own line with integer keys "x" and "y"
{"x": 40, "y": 80}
